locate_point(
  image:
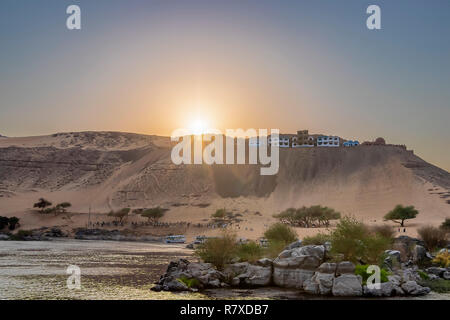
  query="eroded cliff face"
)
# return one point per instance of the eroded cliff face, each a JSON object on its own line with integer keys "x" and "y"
{"x": 134, "y": 170}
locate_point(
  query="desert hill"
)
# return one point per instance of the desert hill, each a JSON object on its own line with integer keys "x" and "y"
{"x": 111, "y": 170}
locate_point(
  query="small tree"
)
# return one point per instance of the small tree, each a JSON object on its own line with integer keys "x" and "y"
{"x": 446, "y": 225}
{"x": 42, "y": 204}
{"x": 62, "y": 207}
{"x": 219, "y": 214}
{"x": 401, "y": 213}
{"x": 120, "y": 215}
{"x": 13, "y": 222}
{"x": 153, "y": 213}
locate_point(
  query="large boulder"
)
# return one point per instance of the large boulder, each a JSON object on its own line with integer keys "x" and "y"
{"x": 421, "y": 255}
{"x": 446, "y": 275}
{"x": 320, "y": 283}
{"x": 406, "y": 245}
{"x": 293, "y": 267}
{"x": 393, "y": 259}
{"x": 293, "y": 245}
{"x": 328, "y": 267}
{"x": 385, "y": 289}
{"x": 4, "y": 236}
{"x": 345, "y": 267}
{"x": 436, "y": 271}
{"x": 347, "y": 285}
{"x": 413, "y": 289}
{"x": 205, "y": 274}
{"x": 249, "y": 275}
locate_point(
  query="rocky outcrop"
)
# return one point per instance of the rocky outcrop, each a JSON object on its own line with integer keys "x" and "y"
{"x": 293, "y": 267}
{"x": 179, "y": 274}
{"x": 301, "y": 268}
{"x": 347, "y": 285}
{"x": 250, "y": 275}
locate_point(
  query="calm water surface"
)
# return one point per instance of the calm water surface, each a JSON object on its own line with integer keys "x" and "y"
{"x": 109, "y": 270}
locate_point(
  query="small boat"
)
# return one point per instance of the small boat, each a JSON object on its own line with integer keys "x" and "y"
{"x": 175, "y": 239}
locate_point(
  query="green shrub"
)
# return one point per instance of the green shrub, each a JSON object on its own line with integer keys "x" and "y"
{"x": 307, "y": 216}
{"x": 153, "y": 213}
{"x": 317, "y": 239}
{"x": 384, "y": 230}
{"x": 280, "y": 233}
{"x": 120, "y": 215}
{"x": 361, "y": 270}
{"x": 189, "y": 282}
{"x": 423, "y": 275}
{"x": 250, "y": 251}
{"x": 446, "y": 225}
{"x": 218, "y": 251}
{"x": 354, "y": 242}
{"x": 219, "y": 214}
{"x": 433, "y": 237}
{"x": 274, "y": 248}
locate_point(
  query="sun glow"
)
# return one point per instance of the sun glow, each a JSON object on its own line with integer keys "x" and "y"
{"x": 199, "y": 126}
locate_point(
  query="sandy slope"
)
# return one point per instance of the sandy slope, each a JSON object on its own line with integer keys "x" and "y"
{"x": 104, "y": 171}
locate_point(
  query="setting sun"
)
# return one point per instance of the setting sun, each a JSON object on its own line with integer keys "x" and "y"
{"x": 198, "y": 126}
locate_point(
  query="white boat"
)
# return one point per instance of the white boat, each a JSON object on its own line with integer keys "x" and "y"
{"x": 175, "y": 239}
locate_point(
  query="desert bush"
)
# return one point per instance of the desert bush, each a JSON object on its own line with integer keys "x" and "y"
{"x": 433, "y": 237}
{"x": 401, "y": 213}
{"x": 219, "y": 214}
{"x": 250, "y": 251}
{"x": 352, "y": 240}
{"x": 42, "y": 204}
{"x": 274, "y": 248}
{"x": 280, "y": 233}
{"x": 317, "y": 239}
{"x": 120, "y": 215}
{"x": 443, "y": 259}
{"x": 13, "y": 222}
{"x": 446, "y": 225}
{"x": 153, "y": 213}
{"x": 62, "y": 207}
{"x": 218, "y": 251}
{"x": 361, "y": 270}
{"x": 384, "y": 230}
{"x": 309, "y": 216}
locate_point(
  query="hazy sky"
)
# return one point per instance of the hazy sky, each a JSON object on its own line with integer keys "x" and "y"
{"x": 154, "y": 66}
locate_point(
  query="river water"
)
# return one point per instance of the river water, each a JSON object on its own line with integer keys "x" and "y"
{"x": 109, "y": 270}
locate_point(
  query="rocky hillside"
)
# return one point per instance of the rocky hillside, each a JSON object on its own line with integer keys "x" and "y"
{"x": 123, "y": 169}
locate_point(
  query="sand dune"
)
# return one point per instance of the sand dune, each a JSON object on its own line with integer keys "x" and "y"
{"x": 110, "y": 170}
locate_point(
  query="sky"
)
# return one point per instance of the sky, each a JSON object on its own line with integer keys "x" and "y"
{"x": 154, "y": 66}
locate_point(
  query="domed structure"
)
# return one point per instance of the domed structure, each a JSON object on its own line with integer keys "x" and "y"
{"x": 380, "y": 141}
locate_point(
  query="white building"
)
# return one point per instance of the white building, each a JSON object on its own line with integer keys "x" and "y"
{"x": 328, "y": 141}
{"x": 351, "y": 143}
{"x": 283, "y": 141}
